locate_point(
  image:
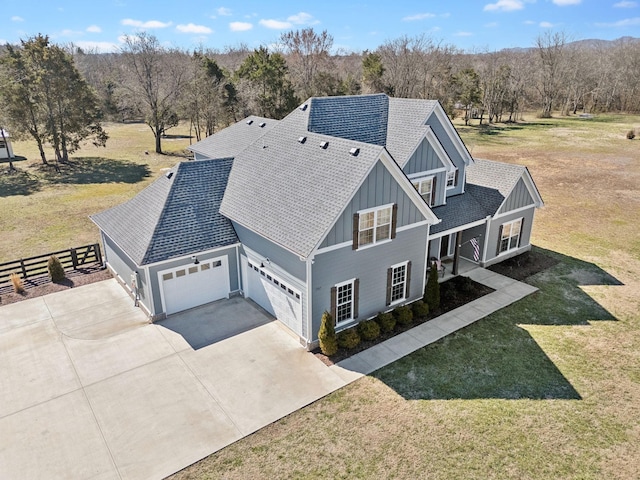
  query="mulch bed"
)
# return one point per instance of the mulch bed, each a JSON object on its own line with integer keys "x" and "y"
{"x": 38, "y": 286}
{"x": 525, "y": 265}
{"x": 454, "y": 293}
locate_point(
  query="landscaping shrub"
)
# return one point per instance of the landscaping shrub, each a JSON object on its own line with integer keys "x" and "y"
{"x": 327, "y": 335}
{"x": 420, "y": 309}
{"x": 16, "y": 281}
{"x": 432, "y": 290}
{"x": 404, "y": 315}
{"x": 55, "y": 268}
{"x": 386, "y": 321}
{"x": 631, "y": 134}
{"x": 466, "y": 285}
{"x": 348, "y": 339}
{"x": 369, "y": 330}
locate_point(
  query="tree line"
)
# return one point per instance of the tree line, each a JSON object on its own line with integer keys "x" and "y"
{"x": 60, "y": 94}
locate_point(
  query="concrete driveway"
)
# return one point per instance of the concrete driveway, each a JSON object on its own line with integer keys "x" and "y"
{"x": 89, "y": 389}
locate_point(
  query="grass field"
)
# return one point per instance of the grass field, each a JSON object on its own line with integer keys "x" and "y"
{"x": 547, "y": 388}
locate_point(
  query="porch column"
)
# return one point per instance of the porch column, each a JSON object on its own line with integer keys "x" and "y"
{"x": 456, "y": 255}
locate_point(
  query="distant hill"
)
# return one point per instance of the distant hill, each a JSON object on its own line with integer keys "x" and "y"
{"x": 595, "y": 43}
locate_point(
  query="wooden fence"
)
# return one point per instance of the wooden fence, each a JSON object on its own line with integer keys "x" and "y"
{"x": 71, "y": 259}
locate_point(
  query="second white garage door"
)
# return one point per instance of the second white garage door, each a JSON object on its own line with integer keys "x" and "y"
{"x": 193, "y": 285}
{"x": 275, "y": 295}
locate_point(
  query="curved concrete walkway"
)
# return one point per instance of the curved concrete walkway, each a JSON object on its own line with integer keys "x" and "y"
{"x": 89, "y": 389}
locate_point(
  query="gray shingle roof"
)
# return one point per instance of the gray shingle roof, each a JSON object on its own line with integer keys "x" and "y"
{"x": 498, "y": 175}
{"x": 292, "y": 192}
{"x": 362, "y": 118}
{"x": 460, "y": 210}
{"x": 407, "y": 126}
{"x": 227, "y": 143}
{"x": 174, "y": 216}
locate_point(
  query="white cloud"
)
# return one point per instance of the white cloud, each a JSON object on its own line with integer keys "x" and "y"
{"x": 148, "y": 24}
{"x": 504, "y": 6}
{"x": 491, "y": 25}
{"x": 193, "y": 28}
{"x": 224, "y": 12}
{"x": 240, "y": 26}
{"x": 529, "y": 22}
{"x": 302, "y": 18}
{"x": 94, "y": 29}
{"x": 463, "y": 34}
{"x": 546, "y": 25}
{"x": 627, "y": 22}
{"x": 625, "y": 4}
{"x": 275, "y": 24}
{"x": 69, "y": 33}
{"x": 100, "y": 47}
{"x": 418, "y": 16}
{"x": 16, "y": 18}
{"x": 564, "y": 3}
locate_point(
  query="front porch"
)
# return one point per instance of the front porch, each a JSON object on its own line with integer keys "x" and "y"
{"x": 464, "y": 266}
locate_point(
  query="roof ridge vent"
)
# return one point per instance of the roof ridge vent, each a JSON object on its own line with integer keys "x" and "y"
{"x": 249, "y": 122}
{"x": 354, "y": 151}
{"x": 324, "y": 145}
{"x": 303, "y": 107}
{"x": 302, "y": 139}
{"x": 262, "y": 125}
{"x": 169, "y": 175}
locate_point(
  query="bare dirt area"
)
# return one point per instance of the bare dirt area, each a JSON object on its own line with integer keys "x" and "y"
{"x": 39, "y": 286}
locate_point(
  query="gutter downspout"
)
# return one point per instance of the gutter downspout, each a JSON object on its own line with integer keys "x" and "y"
{"x": 309, "y": 311}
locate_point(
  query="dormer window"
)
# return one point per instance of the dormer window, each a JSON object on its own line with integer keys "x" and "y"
{"x": 452, "y": 178}
{"x": 426, "y": 188}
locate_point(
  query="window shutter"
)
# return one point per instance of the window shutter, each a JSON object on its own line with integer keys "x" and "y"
{"x": 356, "y": 297}
{"x": 521, "y": 228}
{"x": 389, "y": 280}
{"x": 455, "y": 179}
{"x": 433, "y": 191}
{"x": 394, "y": 219}
{"x": 407, "y": 283}
{"x": 499, "y": 240}
{"x": 334, "y": 293}
{"x": 356, "y": 230}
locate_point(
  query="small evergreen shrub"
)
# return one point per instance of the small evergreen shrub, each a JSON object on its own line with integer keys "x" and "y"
{"x": 368, "y": 330}
{"x": 386, "y": 321}
{"x": 348, "y": 339}
{"x": 432, "y": 290}
{"x": 16, "y": 281}
{"x": 631, "y": 134}
{"x": 420, "y": 309}
{"x": 55, "y": 268}
{"x": 327, "y": 335}
{"x": 404, "y": 315}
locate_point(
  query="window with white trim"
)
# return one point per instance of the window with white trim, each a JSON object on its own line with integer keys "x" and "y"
{"x": 424, "y": 186}
{"x": 510, "y": 236}
{"x": 374, "y": 225}
{"x": 452, "y": 178}
{"x": 398, "y": 283}
{"x": 344, "y": 302}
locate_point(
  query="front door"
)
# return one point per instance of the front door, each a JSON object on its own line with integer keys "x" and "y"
{"x": 444, "y": 246}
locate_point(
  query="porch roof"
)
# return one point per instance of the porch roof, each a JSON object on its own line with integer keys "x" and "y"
{"x": 477, "y": 203}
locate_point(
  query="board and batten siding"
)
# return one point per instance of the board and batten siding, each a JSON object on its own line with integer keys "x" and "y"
{"x": 449, "y": 147}
{"x": 379, "y": 188}
{"x": 424, "y": 159}
{"x": 232, "y": 262}
{"x": 124, "y": 267}
{"x": 525, "y": 235}
{"x": 518, "y": 198}
{"x": 370, "y": 266}
{"x": 283, "y": 258}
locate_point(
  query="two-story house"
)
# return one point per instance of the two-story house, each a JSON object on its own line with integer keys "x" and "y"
{"x": 338, "y": 207}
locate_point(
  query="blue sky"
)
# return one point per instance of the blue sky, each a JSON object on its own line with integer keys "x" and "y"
{"x": 355, "y": 25}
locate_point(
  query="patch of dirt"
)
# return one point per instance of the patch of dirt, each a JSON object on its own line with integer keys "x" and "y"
{"x": 524, "y": 265}
{"x": 454, "y": 293}
{"x": 39, "y": 286}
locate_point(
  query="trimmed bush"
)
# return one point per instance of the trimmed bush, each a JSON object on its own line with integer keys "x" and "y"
{"x": 432, "y": 290}
{"x": 404, "y": 315}
{"x": 631, "y": 134}
{"x": 368, "y": 330}
{"x": 55, "y": 268}
{"x": 386, "y": 321}
{"x": 327, "y": 335}
{"x": 420, "y": 309}
{"x": 16, "y": 281}
{"x": 348, "y": 339}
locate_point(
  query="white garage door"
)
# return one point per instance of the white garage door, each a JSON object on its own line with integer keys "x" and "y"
{"x": 193, "y": 285}
{"x": 275, "y": 295}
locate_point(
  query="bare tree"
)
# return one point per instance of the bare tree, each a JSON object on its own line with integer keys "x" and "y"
{"x": 153, "y": 77}
{"x": 551, "y": 57}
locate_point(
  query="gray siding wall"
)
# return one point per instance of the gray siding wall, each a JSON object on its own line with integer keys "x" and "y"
{"x": 380, "y": 188}
{"x": 232, "y": 260}
{"x": 525, "y": 234}
{"x": 124, "y": 267}
{"x": 451, "y": 150}
{"x": 424, "y": 159}
{"x": 370, "y": 266}
{"x": 278, "y": 255}
{"x": 519, "y": 197}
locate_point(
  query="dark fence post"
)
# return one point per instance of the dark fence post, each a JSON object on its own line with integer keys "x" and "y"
{"x": 98, "y": 254}
{"x": 74, "y": 258}
{"x": 24, "y": 270}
